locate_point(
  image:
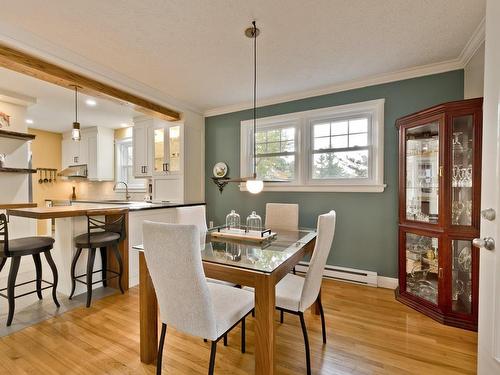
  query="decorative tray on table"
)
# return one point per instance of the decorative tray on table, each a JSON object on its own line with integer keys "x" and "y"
{"x": 242, "y": 233}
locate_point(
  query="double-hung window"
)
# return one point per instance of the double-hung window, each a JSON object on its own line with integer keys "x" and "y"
{"x": 329, "y": 149}
{"x": 124, "y": 165}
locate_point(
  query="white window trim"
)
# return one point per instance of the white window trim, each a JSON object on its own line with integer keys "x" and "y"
{"x": 302, "y": 120}
{"x": 120, "y": 188}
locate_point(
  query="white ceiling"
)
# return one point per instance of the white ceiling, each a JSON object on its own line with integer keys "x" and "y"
{"x": 54, "y": 109}
{"x": 195, "y": 50}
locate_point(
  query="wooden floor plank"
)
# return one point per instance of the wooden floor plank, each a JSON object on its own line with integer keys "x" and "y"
{"x": 368, "y": 333}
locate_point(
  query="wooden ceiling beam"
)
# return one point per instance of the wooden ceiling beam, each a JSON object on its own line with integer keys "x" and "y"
{"x": 22, "y": 62}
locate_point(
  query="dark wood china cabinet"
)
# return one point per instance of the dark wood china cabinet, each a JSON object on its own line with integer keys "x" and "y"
{"x": 439, "y": 198}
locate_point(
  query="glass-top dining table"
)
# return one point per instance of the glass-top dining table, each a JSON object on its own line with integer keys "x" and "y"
{"x": 260, "y": 265}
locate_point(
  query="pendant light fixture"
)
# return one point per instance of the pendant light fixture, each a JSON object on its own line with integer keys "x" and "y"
{"x": 254, "y": 185}
{"x": 75, "y": 133}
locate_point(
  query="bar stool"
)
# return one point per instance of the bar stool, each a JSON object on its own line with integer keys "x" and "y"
{"x": 17, "y": 248}
{"x": 102, "y": 234}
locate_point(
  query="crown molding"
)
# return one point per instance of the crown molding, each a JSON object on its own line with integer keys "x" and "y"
{"x": 27, "y": 42}
{"x": 469, "y": 50}
{"x": 399, "y": 75}
{"x": 476, "y": 40}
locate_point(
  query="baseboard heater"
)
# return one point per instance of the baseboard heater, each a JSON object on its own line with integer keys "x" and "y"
{"x": 344, "y": 274}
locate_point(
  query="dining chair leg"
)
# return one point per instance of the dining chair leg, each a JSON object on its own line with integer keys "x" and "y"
{"x": 104, "y": 261}
{"x": 2, "y": 263}
{"x": 243, "y": 340}
{"x": 11, "y": 282}
{"x": 90, "y": 269}
{"x": 38, "y": 269}
{"x": 213, "y": 351}
{"x": 282, "y": 314}
{"x": 322, "y": 314}
{"x": 118, "y": 257}
{"x": 55, "y": 276}
{"x": 225, "y": 339}
{"x": 73, "y": 270}
{"x": 160, "y": 349}
{"x": 306, "y": 343}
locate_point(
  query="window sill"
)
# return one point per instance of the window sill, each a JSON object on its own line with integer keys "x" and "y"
{"x": 322, "y": 188}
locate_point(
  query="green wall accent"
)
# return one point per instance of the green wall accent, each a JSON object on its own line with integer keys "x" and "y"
{"x": 366, "y": 233}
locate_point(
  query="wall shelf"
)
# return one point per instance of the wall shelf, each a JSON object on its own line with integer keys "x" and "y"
{"x": 16, "y": 135}
{"x": 17, "y": 170}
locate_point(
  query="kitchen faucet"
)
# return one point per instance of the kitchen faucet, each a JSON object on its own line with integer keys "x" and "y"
{"x": 127, "y": 196}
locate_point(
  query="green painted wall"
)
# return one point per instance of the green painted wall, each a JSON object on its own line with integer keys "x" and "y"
{"x": 366, "y": 233}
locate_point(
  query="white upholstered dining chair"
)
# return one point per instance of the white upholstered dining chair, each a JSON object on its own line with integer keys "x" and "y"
{"x": 186, "y": 300}
{"x": 284, "y": 216}
{"x": 295, "y": 294}
{"x": 196, "y": 215}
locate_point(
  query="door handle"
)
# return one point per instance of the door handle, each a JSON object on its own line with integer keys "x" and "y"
{"x": 488, "y": 243}
{"x": 166, "y": 167}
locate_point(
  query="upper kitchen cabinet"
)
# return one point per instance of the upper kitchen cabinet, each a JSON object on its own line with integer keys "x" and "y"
{"x": 95, "y": 150}
{"x": 158, "y": 148}
{"x": 169, "y": 154}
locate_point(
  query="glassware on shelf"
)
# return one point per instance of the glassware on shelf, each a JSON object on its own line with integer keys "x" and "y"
{"x": 457, "y": 208}
{"x": 422, "y": 266}
{"x": 233, "y": 220}
{"x": 254, "y": 222}
{"x": 465, "y": 259}
{"x": 458, "y": 289}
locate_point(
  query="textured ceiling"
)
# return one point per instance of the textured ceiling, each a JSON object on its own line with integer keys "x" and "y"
{"x": 195, "y": 50}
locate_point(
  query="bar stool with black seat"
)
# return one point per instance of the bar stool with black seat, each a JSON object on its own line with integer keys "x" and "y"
{"x": 101, "y": 234}
{"x": 17, "y": 248}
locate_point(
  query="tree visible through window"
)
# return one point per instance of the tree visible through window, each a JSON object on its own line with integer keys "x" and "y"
{"x": 340, "y": 149}
{"x": 275, "y": 150}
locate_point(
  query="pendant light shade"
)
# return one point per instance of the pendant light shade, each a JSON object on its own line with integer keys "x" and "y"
{"x": 254, "y": 185}
{"x": 75, "y": 132}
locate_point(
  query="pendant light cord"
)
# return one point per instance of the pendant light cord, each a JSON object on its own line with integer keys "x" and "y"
{"x": 76, "y": 103}
{"x": 254, "y": 100}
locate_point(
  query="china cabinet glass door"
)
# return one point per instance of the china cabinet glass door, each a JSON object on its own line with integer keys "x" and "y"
{"x": 462, "y": 170}
{"x": 422, "y": 173}
{"x": 461, "y": 276}
{"x": 422, "y": 266}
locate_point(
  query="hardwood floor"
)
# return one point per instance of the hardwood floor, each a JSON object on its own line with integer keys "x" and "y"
{"x": 368, "y": 333}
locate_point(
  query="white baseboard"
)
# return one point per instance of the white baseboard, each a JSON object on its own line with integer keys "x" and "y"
{"x": 352, "y": 275}
{"x": 387, "y": 282}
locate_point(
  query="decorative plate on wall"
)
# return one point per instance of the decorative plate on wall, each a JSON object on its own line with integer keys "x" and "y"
{"x": 220, "y": 170}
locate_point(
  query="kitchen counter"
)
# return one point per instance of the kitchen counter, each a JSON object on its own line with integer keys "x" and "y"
{"x": 139, "y": 205}
{"x": 81, "y": 208}
{"x": 67, "y": 222}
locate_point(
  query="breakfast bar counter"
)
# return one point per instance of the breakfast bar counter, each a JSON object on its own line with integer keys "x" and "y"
{"x": 66, "y": 222}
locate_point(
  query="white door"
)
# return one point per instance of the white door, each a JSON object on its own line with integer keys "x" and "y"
{"x": 489, "y": 273}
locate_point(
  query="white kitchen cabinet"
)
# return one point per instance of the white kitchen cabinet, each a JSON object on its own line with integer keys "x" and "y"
{"x": 142, "y": 158}
{"x": 170, "y": 155}
{"x": 95, "y": 149}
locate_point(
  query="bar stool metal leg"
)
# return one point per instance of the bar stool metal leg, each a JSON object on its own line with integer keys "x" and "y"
{"x": 55, "y": 276}
{"x": 90, "y": 269}
{"x": 104, "y": 259}
{"x": 2, "y": 263}
{"x": 73, "y": 269}
{"x": 38, "y": 269}
{"x": 14, "y": 267}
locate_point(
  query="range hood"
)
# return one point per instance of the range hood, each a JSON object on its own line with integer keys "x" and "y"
{"x": 74, "y": 171}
